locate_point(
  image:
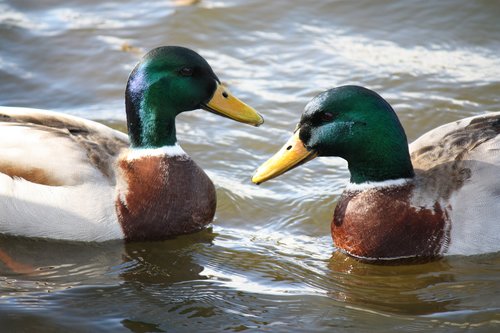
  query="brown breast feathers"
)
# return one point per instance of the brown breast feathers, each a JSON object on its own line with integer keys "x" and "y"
{"x": 382, "y": 224}
{"x": 163, "y": 197}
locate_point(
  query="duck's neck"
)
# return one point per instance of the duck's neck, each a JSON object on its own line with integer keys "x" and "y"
{"x": 150, "y": 119}
{"x": 165, "y": 151}
{"x": 381, "y": 163}
{"x": 362, "y": 173}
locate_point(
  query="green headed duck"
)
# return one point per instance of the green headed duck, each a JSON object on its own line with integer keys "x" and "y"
{"x": 440, "y": 195}
{"x": 64, "y": 177}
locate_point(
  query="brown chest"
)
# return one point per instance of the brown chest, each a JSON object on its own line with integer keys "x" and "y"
{"x": 382, "y": 224}
{"x": 163, "y": 196}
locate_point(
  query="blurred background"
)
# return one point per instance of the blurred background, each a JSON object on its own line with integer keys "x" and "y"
{"x": 268, "y": 262}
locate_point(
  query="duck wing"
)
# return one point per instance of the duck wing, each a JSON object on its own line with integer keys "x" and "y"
{"x": 51, "y": 148}
{"x": 458, "y": 166}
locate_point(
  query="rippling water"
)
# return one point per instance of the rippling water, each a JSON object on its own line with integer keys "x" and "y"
{"x": 268, "y": 262}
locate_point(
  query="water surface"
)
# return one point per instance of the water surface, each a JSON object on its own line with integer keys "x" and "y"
{"x": 267, "y": 263}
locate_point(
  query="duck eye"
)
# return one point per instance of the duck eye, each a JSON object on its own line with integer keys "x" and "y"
{"x": 186, "y": 71}
{"x": 326, "y": 116}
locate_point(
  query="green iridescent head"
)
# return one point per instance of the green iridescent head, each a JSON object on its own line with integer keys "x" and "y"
{"x": 170, "y": 80}
{"x": 351, "y": 122}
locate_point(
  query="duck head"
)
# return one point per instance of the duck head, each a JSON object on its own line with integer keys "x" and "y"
{"x": 170, "y": 80}
{"x": 350, "y": 122}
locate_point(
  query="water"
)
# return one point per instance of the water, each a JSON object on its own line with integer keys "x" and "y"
{"x": 268, "y": 262}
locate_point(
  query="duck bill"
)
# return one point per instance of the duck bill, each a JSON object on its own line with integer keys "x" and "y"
{"x": 225, "y": 104}
{"x": 291, "y": 155}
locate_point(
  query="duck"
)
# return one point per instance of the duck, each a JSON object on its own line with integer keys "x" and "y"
{"x": 438, "y": 196}
{"x": 68, "y": 178}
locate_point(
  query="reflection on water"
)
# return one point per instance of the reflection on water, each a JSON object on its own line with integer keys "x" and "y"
{"x": 48, "y": 266}
{"x": 208, "y": 275}
{"x": 393, "y": 289}
{"x": 269, "y": 263}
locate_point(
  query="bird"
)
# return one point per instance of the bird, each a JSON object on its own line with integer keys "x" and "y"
{"x": 68, "y": 178}
{"x": 438, "y": 196}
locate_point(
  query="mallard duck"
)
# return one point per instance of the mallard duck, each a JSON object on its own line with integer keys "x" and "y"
{"x": 65, "y": 177}
{"x": 440, "y": 195}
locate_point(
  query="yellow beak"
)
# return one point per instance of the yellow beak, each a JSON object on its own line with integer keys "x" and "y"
{"x": 225, "y": 104}
{"x": 291, "y": 155}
